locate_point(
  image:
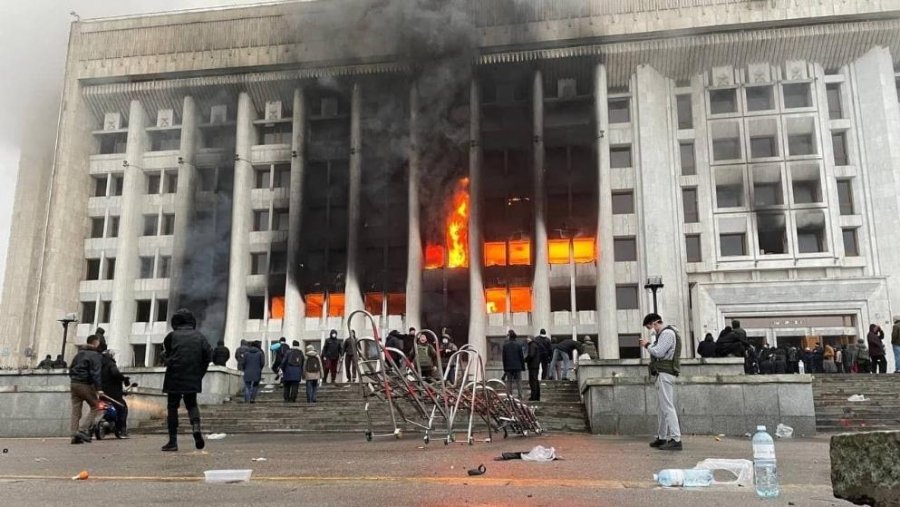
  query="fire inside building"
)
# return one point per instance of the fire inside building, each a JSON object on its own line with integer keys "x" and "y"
{"x": 471, "y": 167}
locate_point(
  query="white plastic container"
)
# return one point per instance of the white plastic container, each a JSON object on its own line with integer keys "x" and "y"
{"x": 227, "y": 476}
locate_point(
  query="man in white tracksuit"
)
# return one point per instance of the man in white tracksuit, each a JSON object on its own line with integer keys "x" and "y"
{"x": 665, "y": 355}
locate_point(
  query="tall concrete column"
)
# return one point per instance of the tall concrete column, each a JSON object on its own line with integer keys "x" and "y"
{"x": 294, "y": 307}
{"x": 241, "y": 218}
{"x": 606, "y": 267}
{"x": 477, "y": 312}
{"x": 879, "y": 121}
{"x": 184, "y": 201}
{"x": 123, "y": 304}
{"x": 661, "y": 239}
{"x": 414, "y": 262}
{"x": 353, "y": 295}
{"x": 541, "y": 312}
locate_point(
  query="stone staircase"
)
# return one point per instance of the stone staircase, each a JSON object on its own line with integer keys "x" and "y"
{"x": 341, "y": 409}
{"x": 835, "y": 414}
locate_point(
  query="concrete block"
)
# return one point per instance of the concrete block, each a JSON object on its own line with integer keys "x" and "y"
{"x": 629, "y": 400}
{"x": 795, "y": 400}
{"x": 738, "y": 425}
{"x": 718, "y": 425}
{"x": 604, "y": 424}
{"x": 698, "y": 425}
{"x": 761, "y": 399}
{"x": 600, "y": 400}
{"x": 637, "y": 425}
{"x": 693, "y": 399}
{"x": 864, "y": 467}
{"x": 727, "y": 399}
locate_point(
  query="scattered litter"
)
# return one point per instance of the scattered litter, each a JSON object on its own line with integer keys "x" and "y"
{"x": 420, "y": 447}
{"x": 718, "y": 439}
{"x": 259, "y": 459}
{"x": 721, "y": 435}
{"x": 5, "y": 451}
{"x": 40, "y": 459}
{"x": 227, "y": 476}
{"x": 740, "y": 469}
{"x": 478, "y": 471}
{"x": 747, "y": 435}
{"x": 538, "y": 453}
{"x": 784, "y": 431}
{"x": 690, "y": 478}
{"x": 857, "y": 397}
{"x": 216, "y": 436}
{"x": 82, "y": 476}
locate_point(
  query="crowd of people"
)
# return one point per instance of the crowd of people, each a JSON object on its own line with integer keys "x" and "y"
{"x": 866, "y": 355}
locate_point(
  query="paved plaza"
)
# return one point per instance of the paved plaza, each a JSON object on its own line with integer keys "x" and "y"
{"x": 345, "y": 470}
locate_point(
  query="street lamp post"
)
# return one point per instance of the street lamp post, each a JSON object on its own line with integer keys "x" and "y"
{"x": 65, "y": 321}
{"x": 654, "y": 283}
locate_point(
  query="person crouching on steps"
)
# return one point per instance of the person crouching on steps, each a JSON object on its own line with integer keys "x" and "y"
{"x": 312, "y": 372}
{"x": 186, "y": 354}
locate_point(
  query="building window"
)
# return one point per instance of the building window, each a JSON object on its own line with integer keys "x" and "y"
{"x": 693, "y": 248}
{"x": 151, "y": 225}
{"x": 256, "y": 307}
{"x": 560, "y": 300}
{"x": 729, "y": 187}
{"x": 806, "y": 184}
{"x": 171, "y": 182}
{"x": 771, "y": 233}
{"x": 279, "y": 133}
{"x": 619, "y": 110}
{"x": 113, "y": 227}
{"x": 626, "y": 297}
{"x": 146, "y": 267}
{"x": 767, "y": 187}
{"x": 851, "y": 246}
{"x": 278, "y": 261}
{"x": 629, "y": 346}
{"x": 684, "y": 112}
{"x": 100, "y": 186}
{"x": 206, "y": 179}
{"x": 688, "y": 159}
{"x": 153, "y": 181}
{"x": 168, "y": 140}
{"x": 105, "y": 311}
{"x": 261, "y": 177}
{"x": 810, "y": 231}
{"x": 168, "y": 224}
{"x": 585, "y": 299}
{"x": 620, "y": 157}
{"x": 260, "y": 220}
{"x": 723, "y": 101}
{"x": 760, "y": 98}
{"x": 839, "y": 148}
{"x": 97, "y": 227}
{"x": 845, "y": 197}
{"x": 162, "y": 309}
{"x": 280, "y": 220}
{"x": 689, "y": 204}
{"x": 163, "y": 267}
{"x": 796, "y": 95}
{"x": 88, "y": 309}
{"x": 143, "y": 311}
{"x": 282, "y": 176}
{"x": 258, "y": 263}
{"x": 835, "y": 110}
{"x": 732, "y": 244}
{"x": 110, "y": 268}
{"x": 118, "y": 184}
{"x": 93, "y": 269}
{"x": 623, "y": 203}
{"x": 625, "y": 249}
{"x": 726, "y": 140}
{"x": 113, "y": 143}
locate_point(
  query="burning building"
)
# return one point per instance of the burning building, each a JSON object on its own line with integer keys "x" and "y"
{"x": 469, "y": 165}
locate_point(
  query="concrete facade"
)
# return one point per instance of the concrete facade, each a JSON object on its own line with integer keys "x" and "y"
{"x": 743, "y": 151}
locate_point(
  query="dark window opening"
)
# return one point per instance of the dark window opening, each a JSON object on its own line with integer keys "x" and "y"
{"x": 625, "y": 249}
{"x": 256, "y": 307}
{"x": 88, "y": 309}
{"x": 685, "y": 115}
{"x": 689, "y": 203}
{"x": 796, "y": 95}
{"x": 143, "y": 311}
{"x": 627, "y": 297}
{"x": 93, "y": 269}
{"x": 688, "y": 159}
{"x": 723, "y": 101}
{"x": 693, "y": 248}
{"x": 732, "y": 245}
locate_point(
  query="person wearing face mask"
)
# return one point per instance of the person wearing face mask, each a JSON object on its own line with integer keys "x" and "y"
{"x": 448, "y": 348}
{"x": 331, "y": 356}
{"x": 425, "y": 357}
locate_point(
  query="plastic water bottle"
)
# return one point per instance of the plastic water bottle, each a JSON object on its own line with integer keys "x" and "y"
{"x": 801, "y": 369}
{"x": 765, "y": 472}
{"x": 689, "y": 478}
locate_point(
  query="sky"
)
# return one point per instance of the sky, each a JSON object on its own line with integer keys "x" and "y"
{"x": 33, "y": 39}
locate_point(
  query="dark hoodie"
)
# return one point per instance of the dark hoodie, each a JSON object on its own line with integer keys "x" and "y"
{"x": 186, "y": 354}
{"x": 707, "y": 347}
{"x": 332, "y": 348}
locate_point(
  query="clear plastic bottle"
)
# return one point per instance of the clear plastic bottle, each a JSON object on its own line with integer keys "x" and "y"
{"x": 689, "y": 478}
{"x": 765, "y": 471}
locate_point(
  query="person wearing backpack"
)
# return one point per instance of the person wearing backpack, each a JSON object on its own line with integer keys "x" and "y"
{"x": 312, "y": 372}
{"x": 291, "y": 372}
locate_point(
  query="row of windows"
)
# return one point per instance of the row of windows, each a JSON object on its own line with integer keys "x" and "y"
{"x": 111, "y": 185}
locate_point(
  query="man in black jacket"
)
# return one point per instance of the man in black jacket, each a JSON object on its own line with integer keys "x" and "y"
{"x": 707, "y": 347}
{"x": 187, "y": 355}
{"x": 546, "y": 348}
{"x": 513, "y": 363}
{"x": 112, "y": 381}
{"x": 331, "y": 356}
{"x": 533, "y": 361}
{"x": 395, "y": 341}
{"x": 85, "y": 386}
{"x": 221, "y": 354}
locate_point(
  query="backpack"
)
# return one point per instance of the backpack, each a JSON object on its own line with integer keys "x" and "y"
{"x": 295, "y": 358}
{"x": 312, "y": 365}
{"x": 546, "y": 350}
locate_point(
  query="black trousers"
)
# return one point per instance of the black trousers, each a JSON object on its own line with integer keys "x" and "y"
{"x": 534, "y": 384}
{"x": 290, "y": 390}
{"x": 545, "y": 369}
{"x": 121, "y": 418}
{"x": 879, "y": 364}
{"x": 190, "y": 403}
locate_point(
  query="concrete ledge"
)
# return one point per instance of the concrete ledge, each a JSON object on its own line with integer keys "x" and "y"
{"x": 602, "y": 368}
{"x": 864, "y": 467}
{"x": 729, "y": 404}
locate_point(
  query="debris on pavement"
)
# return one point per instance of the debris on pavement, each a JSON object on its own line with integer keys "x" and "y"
{"x": 82, "y": 476}
{"x": 259, "y": 459}
{"x": 784, "y": 431}
{"x": 857, "y": 397}
{"x": 216, "y": 436}
{"x": 478, "y": 471}
{"x": 538, "y": 453}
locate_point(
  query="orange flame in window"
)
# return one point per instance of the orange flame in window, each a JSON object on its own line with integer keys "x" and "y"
{"x": 458, "y": 227}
